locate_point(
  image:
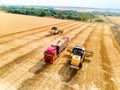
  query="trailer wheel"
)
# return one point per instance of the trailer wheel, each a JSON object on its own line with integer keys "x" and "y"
{"x": 80, "y": 65}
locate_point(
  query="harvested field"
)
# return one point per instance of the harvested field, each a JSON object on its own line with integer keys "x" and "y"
{"x": 11, "y": 23}
{"x": 115, "y": 20}
{"x": 22, "y": 66}
{"x": 115, "y": 26}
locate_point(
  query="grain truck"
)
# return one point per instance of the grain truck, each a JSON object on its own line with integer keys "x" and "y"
{"x": 53, "y": 51}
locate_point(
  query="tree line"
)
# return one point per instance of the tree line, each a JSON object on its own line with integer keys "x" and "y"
{"x": 106, "y": 13}
{"x": 42, "y": 12}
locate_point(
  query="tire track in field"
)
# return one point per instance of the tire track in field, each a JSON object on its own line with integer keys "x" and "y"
{"x": 10, "y": 37}
{"x": 94, "y": 80}
{"x": 50, "y": 69}
{"x": 15, "y": 72}
{"x": 25, "y": 58}
{"x": 17, "y": 43}
{"x": 108, "y": 49}
{"x": 105, "y": 60}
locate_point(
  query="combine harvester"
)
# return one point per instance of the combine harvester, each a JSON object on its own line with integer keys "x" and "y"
{"x": 78, "y": 55}
{"x": 55, "y": 30}
{"x": 53, "y": 51}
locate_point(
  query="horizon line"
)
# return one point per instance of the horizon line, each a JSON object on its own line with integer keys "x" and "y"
{"x": 58, "y": 6}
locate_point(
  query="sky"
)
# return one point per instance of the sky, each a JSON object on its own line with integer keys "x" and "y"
{"x": 77, "y": 3}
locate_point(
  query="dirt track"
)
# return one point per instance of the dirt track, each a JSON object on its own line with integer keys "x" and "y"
{"x": 22, "y": 66}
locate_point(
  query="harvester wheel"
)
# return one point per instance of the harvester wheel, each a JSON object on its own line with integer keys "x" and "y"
{"x": 80, "y": 65}
{"x": 83, "y": 59}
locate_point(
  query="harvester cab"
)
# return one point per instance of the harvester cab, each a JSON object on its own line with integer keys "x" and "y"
{"x": 77, "y": 57}
{"x": 54, "y": 28}
{"x": 78, "y": 50}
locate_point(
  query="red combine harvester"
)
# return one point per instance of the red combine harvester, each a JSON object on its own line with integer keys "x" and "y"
{"x": 53, "y": 51}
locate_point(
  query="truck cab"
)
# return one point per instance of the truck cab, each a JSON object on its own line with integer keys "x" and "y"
{"x": 50, "y": 54}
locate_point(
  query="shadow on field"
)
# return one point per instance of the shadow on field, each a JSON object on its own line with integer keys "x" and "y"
{"x": 39, "y": 67}
{"x": 48, "y": 35}
{"x": 67, "y": 73}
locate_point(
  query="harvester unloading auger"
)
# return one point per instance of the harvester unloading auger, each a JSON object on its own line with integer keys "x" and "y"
{"x": 78, "y": 55}
{"x": 54, "y": 30}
